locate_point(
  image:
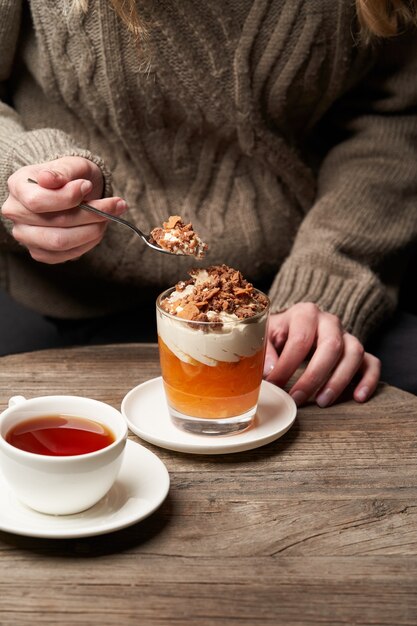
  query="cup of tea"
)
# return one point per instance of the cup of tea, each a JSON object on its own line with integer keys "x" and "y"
{"x": 212, "y": 334}
{"x": 61, "y": 454}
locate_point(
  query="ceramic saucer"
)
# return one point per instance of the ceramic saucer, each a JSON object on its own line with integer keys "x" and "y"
{"x": 141, "y": 486}
{"x": 146, "y": 411}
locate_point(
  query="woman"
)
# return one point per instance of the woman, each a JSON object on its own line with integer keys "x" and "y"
{"x": 281, "y": 129}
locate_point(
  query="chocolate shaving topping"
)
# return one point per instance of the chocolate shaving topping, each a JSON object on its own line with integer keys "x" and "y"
{"x": 189, "y": 312}
{"x": 213, "y": 291}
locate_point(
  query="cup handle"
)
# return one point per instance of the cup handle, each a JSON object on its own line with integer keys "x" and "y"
{"x": 15, "y": 400}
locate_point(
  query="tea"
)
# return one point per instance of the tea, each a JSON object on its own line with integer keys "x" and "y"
{"x": 59, "y": 435}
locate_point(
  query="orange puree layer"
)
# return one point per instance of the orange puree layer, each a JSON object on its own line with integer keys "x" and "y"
{"x": 198, "y": 390}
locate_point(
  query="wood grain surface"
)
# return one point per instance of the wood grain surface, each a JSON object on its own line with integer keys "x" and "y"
{"x": 318, "y": 527}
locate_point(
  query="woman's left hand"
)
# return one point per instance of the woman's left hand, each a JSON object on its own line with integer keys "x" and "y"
{"x": 305, "y": 333}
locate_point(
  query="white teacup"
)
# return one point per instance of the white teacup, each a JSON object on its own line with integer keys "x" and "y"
{"x": 61, "y": 485}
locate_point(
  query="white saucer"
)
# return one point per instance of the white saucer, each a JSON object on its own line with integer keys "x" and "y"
{"x": 141, "y": 486}
{"x": 146, "y": 412}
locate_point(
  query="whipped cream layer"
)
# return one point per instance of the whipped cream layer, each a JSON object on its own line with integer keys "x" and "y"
{"x": 230, "y": 342}
{"x": 216, "y": 316}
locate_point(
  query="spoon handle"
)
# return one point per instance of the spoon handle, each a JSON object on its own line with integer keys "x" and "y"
{"x": 115, "y": 218}
{"x": 147, "y": 239}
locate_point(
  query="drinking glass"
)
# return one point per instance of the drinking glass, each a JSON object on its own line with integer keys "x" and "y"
{"x": 211, "y": 371}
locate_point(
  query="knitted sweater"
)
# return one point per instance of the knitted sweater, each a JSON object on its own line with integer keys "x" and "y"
{"x": 289, "y": 145}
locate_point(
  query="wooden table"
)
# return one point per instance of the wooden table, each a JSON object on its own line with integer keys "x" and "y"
{"x": 319, "y": 527}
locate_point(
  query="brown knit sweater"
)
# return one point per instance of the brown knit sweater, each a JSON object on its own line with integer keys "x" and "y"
{"x": 290, "y": 147}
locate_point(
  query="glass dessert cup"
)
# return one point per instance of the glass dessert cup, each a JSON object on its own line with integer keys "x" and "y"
{"x": 212, "y": 372}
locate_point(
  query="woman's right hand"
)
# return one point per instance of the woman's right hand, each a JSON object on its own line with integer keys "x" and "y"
{"x": 45, "y": 216}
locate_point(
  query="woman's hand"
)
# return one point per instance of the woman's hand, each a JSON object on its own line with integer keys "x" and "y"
{"x": 302, "y": 333}
{"x": 45, "y": 216}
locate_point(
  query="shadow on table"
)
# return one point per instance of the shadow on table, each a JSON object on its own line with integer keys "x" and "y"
{"x": 100, "y": 545}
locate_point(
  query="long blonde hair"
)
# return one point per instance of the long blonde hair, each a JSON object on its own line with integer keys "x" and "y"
{"x": 125, "y": 9}
{"x": 380, "y": 18}
{"x": 385, "y": 18}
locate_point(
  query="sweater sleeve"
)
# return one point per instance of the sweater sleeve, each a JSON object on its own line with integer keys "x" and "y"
{"x": 352, "y": 246}
{"x": 20, "y": 146}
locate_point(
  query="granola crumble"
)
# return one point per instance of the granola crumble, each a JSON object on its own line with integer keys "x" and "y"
{"x": 213, "y": 295}
{"x": 178, "y": 237}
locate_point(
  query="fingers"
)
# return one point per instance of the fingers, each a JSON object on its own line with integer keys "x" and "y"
{"x": 353, "y": 354}
{"x": 54, "y": 178}
{"x": 62, "y": 184}
{"x": 301, "y": 329}
{"x": 371, "y": 372}
{"x": 56, "y": 245}
{"x": 38, "y": 199}
{"x": 62, "y": 256}
{"x": 304, "y": 335}
{"x": 46, "y": 216}
{"x": 271, "y": 359}
{"x": 60, "y": 236}
{"x": 328, "y": 353}
{"x": 277, "y": 336}
{"x": 55, "y": 238}
{"x": 57, "y": 173}
{"x": 355, "y": 360}
{"x": 19, "y": 214}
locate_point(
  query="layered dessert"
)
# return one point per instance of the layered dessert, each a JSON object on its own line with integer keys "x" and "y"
{"x": 179, "y": 237}
{"x": 211, "y": 333}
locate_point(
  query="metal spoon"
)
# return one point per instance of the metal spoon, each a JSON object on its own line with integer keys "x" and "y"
{"x": 146, "y": 238}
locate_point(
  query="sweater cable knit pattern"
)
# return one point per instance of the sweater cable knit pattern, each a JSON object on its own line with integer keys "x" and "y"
{"x": 290, "y": 147}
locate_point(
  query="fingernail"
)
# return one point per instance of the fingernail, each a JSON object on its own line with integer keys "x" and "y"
{"x": 86, "y": 186}
{"x": 268, "y": 366}
{"x": 325, "y": 398}
{"x": 299, "y": 397}
{"x": 362, "y": 394}
{"x": 121, "y": 206}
